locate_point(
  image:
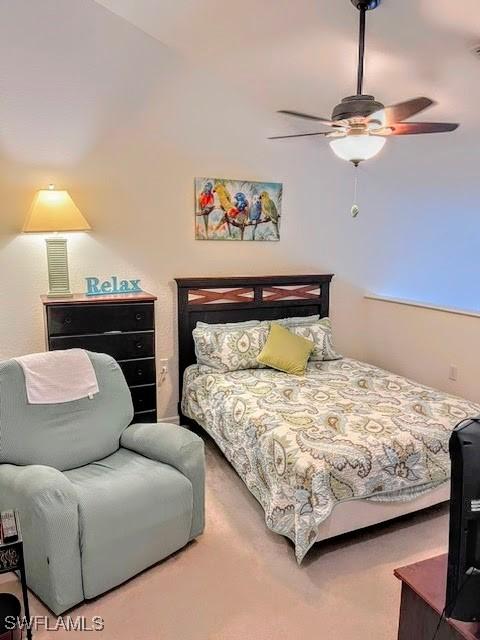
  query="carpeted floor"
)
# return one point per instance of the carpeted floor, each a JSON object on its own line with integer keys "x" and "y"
{"x": 241, "y": 582}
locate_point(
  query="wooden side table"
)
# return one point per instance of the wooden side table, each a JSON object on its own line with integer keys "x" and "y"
{"x": 11, "y": 559}
{"x": 423, "y": 600}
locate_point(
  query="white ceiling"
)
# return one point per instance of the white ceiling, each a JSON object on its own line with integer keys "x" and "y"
{"x": 302, "y": 54}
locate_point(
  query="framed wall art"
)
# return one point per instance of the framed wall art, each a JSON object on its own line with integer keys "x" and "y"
{"x": 237, "y": 210}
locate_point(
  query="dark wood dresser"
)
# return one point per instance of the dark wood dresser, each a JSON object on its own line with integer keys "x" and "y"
{"x": 121, "y": 325}
{"x": 423, "y": 600}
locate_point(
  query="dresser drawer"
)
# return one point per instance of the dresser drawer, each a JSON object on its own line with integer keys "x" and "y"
{"x": 120, "y": 346}
{"x": 138, "y": 371}
{"x": 144, "y": 398}
{"x": 97, "y": 318}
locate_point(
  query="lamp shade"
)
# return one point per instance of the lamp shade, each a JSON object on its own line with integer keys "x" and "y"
{"x": 357, "y": 148}
{"x": 54, "y": 210}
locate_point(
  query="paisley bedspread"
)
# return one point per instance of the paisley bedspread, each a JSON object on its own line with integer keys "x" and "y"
{"x": 346, "y": 430}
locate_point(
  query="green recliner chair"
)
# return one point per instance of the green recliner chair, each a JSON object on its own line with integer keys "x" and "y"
{"x": 99, "y": 501}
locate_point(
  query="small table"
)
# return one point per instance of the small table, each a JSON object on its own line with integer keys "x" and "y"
{"x": 11, "y": 559}
{"x": 423, "y": 600}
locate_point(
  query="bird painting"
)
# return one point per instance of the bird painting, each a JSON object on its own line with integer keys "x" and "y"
{"x": 237, "y": 210}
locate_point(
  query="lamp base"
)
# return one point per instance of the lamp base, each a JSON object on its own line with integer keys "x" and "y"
{"x": 57, "y": 259}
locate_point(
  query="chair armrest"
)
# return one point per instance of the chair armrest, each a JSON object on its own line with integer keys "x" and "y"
{"x": 178, "y": 447}
{"x": 36, "y": 482}
{"x": 48, "y": 507}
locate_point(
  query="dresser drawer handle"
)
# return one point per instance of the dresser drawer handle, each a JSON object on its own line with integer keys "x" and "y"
{"x": 68, "y": 320}
{"x": 139, "y": 372}
{"x": 139, "y": 316}
{"x": 139, "y": 345}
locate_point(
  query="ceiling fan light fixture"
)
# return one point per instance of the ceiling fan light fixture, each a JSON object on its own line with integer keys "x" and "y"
{"x": 357, "y": 148}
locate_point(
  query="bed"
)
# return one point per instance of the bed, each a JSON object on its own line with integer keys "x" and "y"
{"x": 344, "y": 447}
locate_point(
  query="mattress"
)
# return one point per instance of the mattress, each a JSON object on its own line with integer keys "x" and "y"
{"x": 345, "y": 431}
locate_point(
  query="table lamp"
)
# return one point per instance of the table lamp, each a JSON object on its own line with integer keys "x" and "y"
{"x": 53, "y": 210}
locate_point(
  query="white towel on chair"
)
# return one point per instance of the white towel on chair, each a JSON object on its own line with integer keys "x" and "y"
{"x": 58, "y": 376}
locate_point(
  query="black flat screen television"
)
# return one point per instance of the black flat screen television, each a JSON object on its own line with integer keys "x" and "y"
{"x": 463, "y": 580}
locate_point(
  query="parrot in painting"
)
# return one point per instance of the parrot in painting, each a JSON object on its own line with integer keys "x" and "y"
{"x": 241, "y": 201}
{"x": 241, "y": 205}
{"x": 206, "y": 203}
{"x": 230, "y": 211}
{"x": 243, "y": 208}
{"x": 255, "y": 213}
{"x": 270, "y": 211}
{"x": 205, "y": 199}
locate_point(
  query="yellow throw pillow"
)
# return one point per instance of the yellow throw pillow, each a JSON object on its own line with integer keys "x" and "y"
{"x": 285, "y": 351}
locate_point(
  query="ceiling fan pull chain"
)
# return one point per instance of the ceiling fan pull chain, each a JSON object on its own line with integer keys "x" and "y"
{"x": 355, "y": 210}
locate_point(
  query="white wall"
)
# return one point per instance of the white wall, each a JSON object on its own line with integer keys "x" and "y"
{"x": 424, "y": 343}
{"x": 125, "y": 124}
{"x": 416, "y": 236}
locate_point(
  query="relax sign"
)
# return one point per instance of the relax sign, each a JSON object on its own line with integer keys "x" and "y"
{"x": 108, "y": 287}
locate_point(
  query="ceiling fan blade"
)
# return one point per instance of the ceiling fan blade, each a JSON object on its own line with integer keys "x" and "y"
{"x": 301, "y": 135}
{"x": 306, "y": 116}
{"x": 401, "y": 111}
{"x": 415, "y": 128}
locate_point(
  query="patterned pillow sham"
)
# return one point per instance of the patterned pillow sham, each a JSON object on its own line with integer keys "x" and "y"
{"x": 289, "y": 322}
{"x": 228, "y": 325}
{"x": 229, "y": 349}
{"x": 320, "y": 333}
{"x": 286, "y": 322}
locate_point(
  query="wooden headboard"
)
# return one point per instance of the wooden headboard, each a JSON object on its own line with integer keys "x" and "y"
{"x": 218, "y": 300}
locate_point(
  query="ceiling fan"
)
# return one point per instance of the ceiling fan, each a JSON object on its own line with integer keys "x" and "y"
{"x": 360, "y": 125}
